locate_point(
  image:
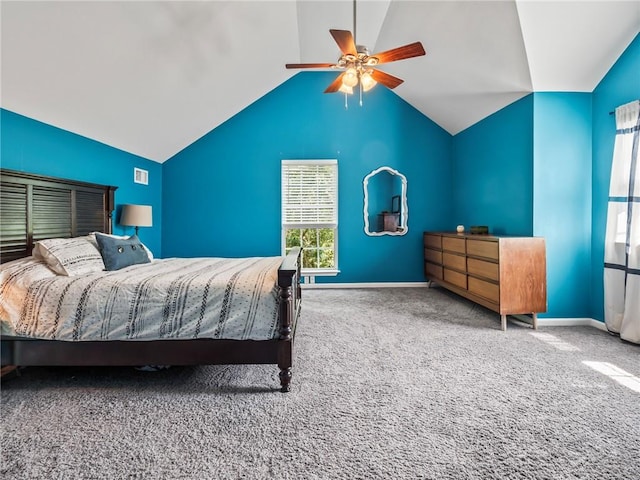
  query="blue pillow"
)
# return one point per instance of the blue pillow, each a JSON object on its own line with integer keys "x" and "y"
{"x": 118, "y": 253}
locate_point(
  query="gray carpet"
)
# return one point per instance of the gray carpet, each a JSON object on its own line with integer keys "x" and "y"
{"x": 388, "y": 383}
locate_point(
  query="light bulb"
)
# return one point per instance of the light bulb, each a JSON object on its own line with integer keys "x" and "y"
{"x": 350, "y": 78}
{"x": 367, "y": 81}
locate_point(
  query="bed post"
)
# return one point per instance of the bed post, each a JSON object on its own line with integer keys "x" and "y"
{"x": 284, "y": 352}
{"x": 289, "y": 286}
{"x": 110, "y": 206}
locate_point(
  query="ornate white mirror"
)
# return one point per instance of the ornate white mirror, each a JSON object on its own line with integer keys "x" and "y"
{"x": 385, "y": 203}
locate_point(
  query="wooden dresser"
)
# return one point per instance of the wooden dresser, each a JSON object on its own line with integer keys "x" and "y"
{"x": 505, "y": 274}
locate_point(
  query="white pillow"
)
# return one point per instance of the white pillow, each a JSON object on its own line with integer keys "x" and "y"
{"x": 69, "y": 256}
{"x": 92, "y": 239}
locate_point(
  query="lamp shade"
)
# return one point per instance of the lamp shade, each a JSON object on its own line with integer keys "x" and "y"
{"x": 136, "y": 216}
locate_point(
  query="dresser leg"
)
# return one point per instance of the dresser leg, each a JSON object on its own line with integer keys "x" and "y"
{"x": 535, "y": 320}
{"x": 503, "y": 319}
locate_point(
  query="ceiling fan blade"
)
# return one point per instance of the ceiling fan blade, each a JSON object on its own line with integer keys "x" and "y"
{"x": 335, "y": 85}
{"x": 310, "y": 65}
{"x": 407, "y": 51}
{"x": 385, "y": 79}
{"x": 345, "y": 41}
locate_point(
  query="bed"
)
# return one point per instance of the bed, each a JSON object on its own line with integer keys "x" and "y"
{"x": 37, "y": 210}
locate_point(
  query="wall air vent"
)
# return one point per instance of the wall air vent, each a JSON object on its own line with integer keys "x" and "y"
{"x": 141, "y": 176}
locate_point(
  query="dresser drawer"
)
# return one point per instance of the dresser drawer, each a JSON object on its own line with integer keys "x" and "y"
{"x": 455, "y": 278}
{"x": 433, "y": 241}
{"x": 433, "y": 271}
{"x": 453, "y": 244}
{"x": 488, "y": 290}
{"x": 482, "y": 268}
{"x": 482, "y": 248}
{"x": 457, "y": 262}
{"x": 434, "y": 256}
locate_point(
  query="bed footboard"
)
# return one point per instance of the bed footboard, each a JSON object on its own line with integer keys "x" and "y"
{"x": 290, "y": 299}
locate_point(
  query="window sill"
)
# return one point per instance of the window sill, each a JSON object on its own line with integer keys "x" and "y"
{"x": 319, "y": 272}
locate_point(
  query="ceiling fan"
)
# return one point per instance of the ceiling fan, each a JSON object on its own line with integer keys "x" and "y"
{"x": 359, "y": 65}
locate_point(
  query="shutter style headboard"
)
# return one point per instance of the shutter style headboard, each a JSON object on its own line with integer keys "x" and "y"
{"x": 35, "y": 207}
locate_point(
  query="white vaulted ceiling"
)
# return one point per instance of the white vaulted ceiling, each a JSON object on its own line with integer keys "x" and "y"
{"x": 151, "y": 77}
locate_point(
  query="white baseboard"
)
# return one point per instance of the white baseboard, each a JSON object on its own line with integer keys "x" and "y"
{"x": 571, "y": 322}
{"x": 563, "y": 322}
{"x": 365, "y": 285}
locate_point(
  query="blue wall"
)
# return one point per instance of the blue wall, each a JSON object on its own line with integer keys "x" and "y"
{"x": 557, "y": 147}
{"x": 621, "y": 85}
{"x": 493, "y": 167}
{"x": 525, "y": 170}
{"x": 221, "y": 194}
{"x": 562, "y": 198}
{"x": 34, "y": 147}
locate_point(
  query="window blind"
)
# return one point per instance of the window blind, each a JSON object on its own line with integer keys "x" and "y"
{"x": 310, "y": 193}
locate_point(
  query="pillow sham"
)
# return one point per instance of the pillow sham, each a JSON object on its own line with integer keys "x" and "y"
{"x": 92, "y": 238}
{"x": 69, "y": 256}
{"x": 119, "y": 253}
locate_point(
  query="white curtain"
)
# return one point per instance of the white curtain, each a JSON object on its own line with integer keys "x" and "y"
{"x": 622, "y": 241}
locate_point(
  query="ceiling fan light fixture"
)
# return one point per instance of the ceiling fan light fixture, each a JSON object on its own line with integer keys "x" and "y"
{"x": 346, "y": 89}
{"x": 350, "y": 78}
{"x": 367, "y": 81}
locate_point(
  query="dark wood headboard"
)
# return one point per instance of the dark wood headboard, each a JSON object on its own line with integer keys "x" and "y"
{"x": 35, "y": 207}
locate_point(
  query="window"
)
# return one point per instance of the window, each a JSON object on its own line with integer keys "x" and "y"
{"x": 310, "y": 213}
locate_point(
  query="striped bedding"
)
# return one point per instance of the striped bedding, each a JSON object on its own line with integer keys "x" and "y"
{"x": 226, "y": 298}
